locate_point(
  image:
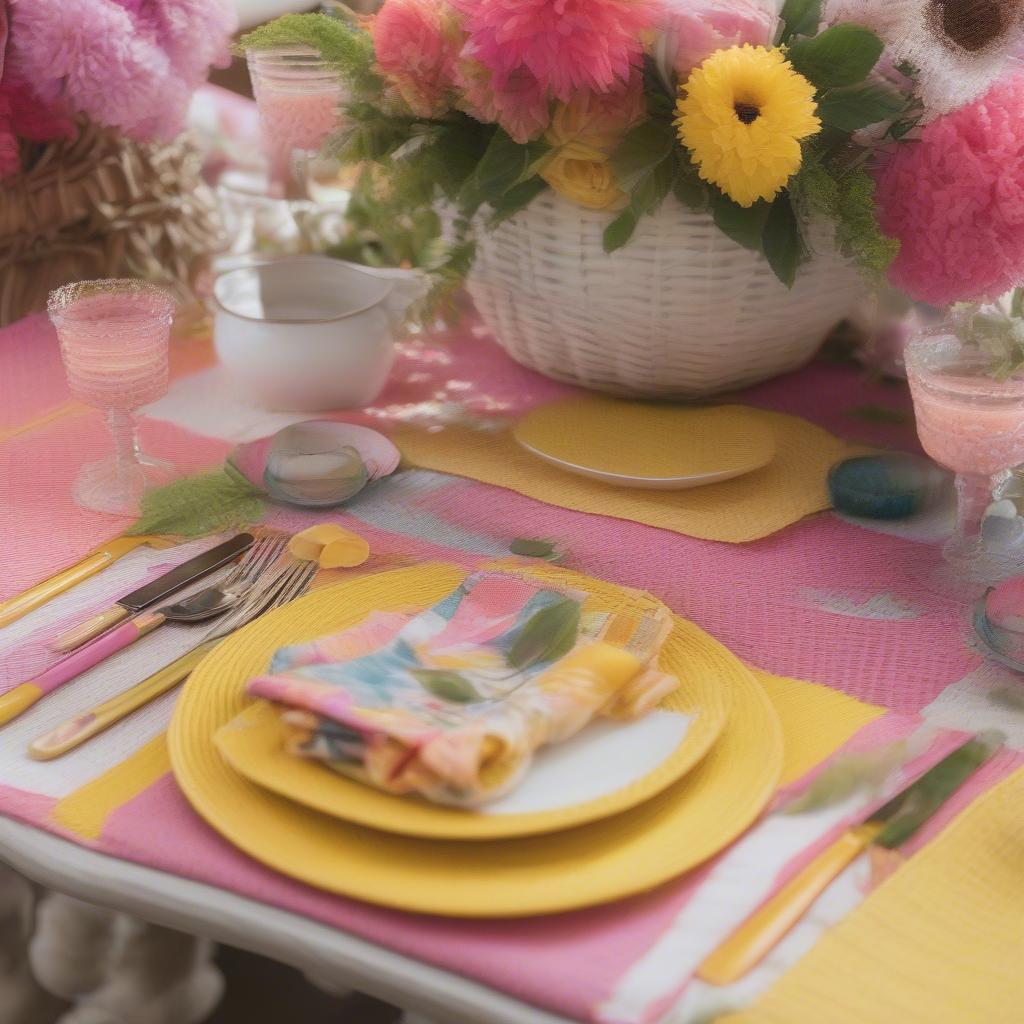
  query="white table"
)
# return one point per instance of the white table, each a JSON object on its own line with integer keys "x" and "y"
{"x": 325, "y": 954}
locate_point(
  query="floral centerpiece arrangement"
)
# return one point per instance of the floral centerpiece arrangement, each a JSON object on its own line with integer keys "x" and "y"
{"x": 96, "y": 182}
{"x": 895, "y": 122}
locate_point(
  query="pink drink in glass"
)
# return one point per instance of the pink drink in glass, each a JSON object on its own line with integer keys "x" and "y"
{"x": 299, "y": 99}
{"x": 973, "y": 424}
{"x": 114, "y": 337}
{"x": 115, "y": 349}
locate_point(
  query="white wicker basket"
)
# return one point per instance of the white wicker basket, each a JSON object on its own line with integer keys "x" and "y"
{"x": 680, "y": 311}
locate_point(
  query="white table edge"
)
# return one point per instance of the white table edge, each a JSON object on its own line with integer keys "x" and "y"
{"x": 193, "y": 907}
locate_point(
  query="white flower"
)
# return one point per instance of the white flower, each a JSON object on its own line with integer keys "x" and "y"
{"x": 959, "y": 47}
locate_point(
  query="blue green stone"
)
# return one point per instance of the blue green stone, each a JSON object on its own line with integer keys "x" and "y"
{"x": 884, "y": 486}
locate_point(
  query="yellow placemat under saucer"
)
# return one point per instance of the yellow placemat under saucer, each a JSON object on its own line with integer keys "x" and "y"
{"x": 627, "y": 853}
{"x": 252, "y": 743}
{"x": 656, "y": 443}
{"x": 746, "y": 508}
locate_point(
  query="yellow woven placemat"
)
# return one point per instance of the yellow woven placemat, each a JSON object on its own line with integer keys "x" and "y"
{"x": 747, "y": 508}
{"x": 618, "y": 856}
{"x": 940, "y": 942}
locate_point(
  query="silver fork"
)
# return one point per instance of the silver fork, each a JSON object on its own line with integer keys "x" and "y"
{"x": 276, "y": 586}
{"x": 226, "y": 593}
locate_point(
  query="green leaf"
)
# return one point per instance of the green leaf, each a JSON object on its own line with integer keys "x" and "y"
{"x": 841, "y": 55}
{"x": 645, "y": 146}
{"x": 446, "y": 685}
{"x": 548, "y": 635}
{"x": 783, "y": 247}
{"x": 620, "y": 231}
{"x": 800, "y": 18}
{"x": 1017, "y": 303}
{"x": 847, "y": 774}
{"x": 857, "y": 106}
{"x": 687, "y": 186}
{"x": 912, "y": 808}
{"x": 532, "y": 548}
{"x": 197, "y": 506}
{"x": 515, "y": 199}
{"x": 743, "y": 224}
{"x": 505, "y": 163}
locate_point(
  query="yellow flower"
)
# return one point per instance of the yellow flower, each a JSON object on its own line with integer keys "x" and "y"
{"x": 742, "y": 115}
{"x": 584, "y": 133}
{"x": 585, "y": 176}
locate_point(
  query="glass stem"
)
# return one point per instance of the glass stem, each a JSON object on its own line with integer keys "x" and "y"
{"x": 974, "y": 495}
{"x": 124, "y": 430}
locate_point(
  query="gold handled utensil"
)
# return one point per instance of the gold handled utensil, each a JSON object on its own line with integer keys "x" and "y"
{"x": 279, "y": 585}
{"x": 21, "y": 604}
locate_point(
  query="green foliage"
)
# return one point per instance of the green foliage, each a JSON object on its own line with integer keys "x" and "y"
{"x": 912, "y": 808}
{"x": 841, "y": 56}
{"x": 645, "y": 166}
{"x": 504, "y": 165}
{"x": 800, "y": 18}
{"x": 743, "y": 224}
{"x": 848, "y": 774}
{"x": 848, "y": 198}
{"x": 346, "y": 48}
{"x": 783, "y": 245}
{"x": 998, "y": 333}
{"x": 853, "y": 107}
{"x": 200, "y": 505}
{"x": 548, "y": 635}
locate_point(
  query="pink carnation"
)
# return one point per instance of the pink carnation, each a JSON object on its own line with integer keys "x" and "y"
{"x": 955, "y": 200}
{"x": 522, "y": 107}
{"x": 129, "y": 64}
{"x": 416, "y": 49}
{"x": 692, "y": 30}
{"x": 564, "y": 45}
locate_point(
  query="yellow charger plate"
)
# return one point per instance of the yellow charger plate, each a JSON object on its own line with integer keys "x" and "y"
{"x": 646, "y": 444}
{"x": 253, "y": 744}
{"x": 683, "y": 825}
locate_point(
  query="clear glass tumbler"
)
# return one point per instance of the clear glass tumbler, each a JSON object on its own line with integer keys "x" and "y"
{"x": 973, "y": 424}
{"x": 300, "y": 100}
{"x": 114, "y": 336}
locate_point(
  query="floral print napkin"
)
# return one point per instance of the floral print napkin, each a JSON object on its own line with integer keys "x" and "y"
{"x": 451, "y": 703}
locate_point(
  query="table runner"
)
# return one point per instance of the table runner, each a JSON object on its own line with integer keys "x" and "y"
{"x": 868, "y": 613}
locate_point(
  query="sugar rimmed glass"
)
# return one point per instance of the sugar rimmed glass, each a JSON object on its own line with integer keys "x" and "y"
{"x": 299, "y": 97}
{"x": 973, "y": 424}
{"x": 114, "y": 337}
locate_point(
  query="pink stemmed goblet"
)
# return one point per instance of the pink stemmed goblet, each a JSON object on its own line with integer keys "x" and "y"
{"x": 114, "y": 337}
{"x": 972, "y": 423}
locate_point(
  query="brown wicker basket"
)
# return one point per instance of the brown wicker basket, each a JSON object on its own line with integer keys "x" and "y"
{"x": 100, "y": 205}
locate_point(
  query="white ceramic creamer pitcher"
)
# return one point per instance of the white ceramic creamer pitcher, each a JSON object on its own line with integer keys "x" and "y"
{"x": 311, "y": 333}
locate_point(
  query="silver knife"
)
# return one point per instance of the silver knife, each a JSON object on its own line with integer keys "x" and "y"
{"x": 181, "y": 576}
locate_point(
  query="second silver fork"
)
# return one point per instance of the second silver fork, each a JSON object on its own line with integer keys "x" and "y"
{"x": 275, "y": 587}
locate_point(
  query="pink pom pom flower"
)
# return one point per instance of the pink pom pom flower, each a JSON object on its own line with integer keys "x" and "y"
{"x": 955, "y": 200}
{"x": 417, "y": 45}
{"x": 565, "y": 45}
{"x": 131, "y": 65}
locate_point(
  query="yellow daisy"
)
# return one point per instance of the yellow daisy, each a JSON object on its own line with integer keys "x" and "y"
{"x": 742, "y": 115}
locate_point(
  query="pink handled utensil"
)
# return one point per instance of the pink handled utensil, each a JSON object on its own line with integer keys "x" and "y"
{"x": 22, "y": 697}
{"x": 199, "y": 607}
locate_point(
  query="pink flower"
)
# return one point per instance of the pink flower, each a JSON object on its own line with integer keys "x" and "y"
{"x": 955, "y": 200}
{"x": 24, "y": 116}
{"x": 521, "y": 107}
{"x": 417, "y": 45}
{"x": 692, "y": 30}
{"x": 132, "y": 65}
{"x": 562, "y": 45}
